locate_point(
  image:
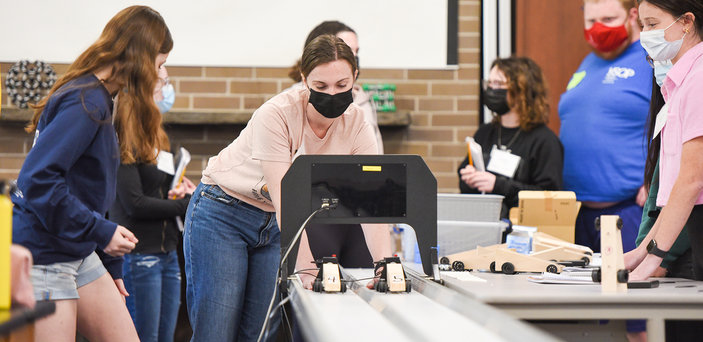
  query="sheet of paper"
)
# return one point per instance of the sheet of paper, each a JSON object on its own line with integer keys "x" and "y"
{"x": 164, "y": 162}
{"x": 476, "y": 154}
{"x": 582, "y": 277}
{"x": 182, "y": 160}
{"x": 661, "y": 120}
{"x": 463, "y": 276}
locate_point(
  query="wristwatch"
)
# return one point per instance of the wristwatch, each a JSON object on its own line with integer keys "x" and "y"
{"x": 653, "y": 249}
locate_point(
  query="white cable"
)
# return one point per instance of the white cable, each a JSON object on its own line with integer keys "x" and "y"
{"x": 325, "y": 206}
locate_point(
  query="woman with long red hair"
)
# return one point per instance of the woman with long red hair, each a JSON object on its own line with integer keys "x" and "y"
{"x": 67, "y": 182}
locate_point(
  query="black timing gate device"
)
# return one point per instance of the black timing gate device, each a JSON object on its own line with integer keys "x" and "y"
{"x": 361, "y": 189}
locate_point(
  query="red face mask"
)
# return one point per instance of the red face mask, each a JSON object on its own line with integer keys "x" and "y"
{"x": 605, "y": 38}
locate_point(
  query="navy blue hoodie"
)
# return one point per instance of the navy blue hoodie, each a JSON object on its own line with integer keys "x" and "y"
{"x": 68, "y": 180}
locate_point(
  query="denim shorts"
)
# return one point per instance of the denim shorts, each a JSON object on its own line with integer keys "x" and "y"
{"x": 61, "y": 280}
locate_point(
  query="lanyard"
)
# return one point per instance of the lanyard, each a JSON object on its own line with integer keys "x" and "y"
{"x": 510, "y": 143}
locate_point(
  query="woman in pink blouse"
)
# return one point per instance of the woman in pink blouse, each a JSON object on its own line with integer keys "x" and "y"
{"x": 673, "y": 30}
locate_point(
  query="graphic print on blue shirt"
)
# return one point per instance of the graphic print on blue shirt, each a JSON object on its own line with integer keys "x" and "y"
{"x": 603, "y": 118}
{"x": 68, "y": 179}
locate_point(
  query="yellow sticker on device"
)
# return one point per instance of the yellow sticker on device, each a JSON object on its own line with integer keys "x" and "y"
{"x": 373, "y": 168}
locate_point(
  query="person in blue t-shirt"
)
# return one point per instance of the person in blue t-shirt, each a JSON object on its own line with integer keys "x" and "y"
{"x": 68, "y": 180}
{"x": 603, "y": 114}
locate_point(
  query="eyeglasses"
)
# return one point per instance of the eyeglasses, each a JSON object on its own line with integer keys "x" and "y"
{"x": 650, "y": 60}
{"x": 494, "y": 84}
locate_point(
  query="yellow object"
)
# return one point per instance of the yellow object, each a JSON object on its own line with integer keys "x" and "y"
{"x": 552, "y": 212}
{"x": 576, "y": 79}
{"x": 180, "y": 180}
{"x": 371, "y": 168}
{"x": 5, "y": 241}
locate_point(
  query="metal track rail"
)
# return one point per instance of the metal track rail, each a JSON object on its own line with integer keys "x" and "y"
{"x": 488, "y": 317}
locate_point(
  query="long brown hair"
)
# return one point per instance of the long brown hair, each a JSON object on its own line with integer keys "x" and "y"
{"x": 129, "y": 44}
{"x": 324, "y": 49}
{"x": 653, "y": 145}
{"x": 527, "y": 90}
{"x": 332, "y": 27}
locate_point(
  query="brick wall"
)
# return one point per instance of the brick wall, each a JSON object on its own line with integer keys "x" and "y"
{"x": 443, "y": 105}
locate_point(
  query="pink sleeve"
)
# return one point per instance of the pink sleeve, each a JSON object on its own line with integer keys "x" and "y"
{"x": 270, "y": 138}
{"x": 691, "y": 107}
{"x": 365, "y": 141}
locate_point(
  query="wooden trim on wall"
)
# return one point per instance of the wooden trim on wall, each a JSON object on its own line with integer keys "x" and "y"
{"x": 551, "y": 33}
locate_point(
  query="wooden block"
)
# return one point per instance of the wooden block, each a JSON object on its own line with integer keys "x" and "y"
{"x": 611, "y": 252}
{"x": 330, "y": 277}
{"x": 509, "y": 262}
{"x": 396, "y": 277}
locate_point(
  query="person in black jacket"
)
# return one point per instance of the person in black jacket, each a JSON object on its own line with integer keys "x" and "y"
{"x": 519, "y": 150}
{"x": 146, "y": 203}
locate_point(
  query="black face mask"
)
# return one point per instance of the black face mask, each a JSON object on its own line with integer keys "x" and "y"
{"x": 331, "y": 106}
{"x": 496, "y": 100}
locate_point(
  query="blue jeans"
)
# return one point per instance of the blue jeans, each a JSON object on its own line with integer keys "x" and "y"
{"x": 232, "y": 254}
{"x": 153, "y": 282}
{"x": 629, "y": 212}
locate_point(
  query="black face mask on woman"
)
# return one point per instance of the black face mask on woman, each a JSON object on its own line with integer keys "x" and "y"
{"x": 496, "y": 100}
{"x": 331, "y": 106}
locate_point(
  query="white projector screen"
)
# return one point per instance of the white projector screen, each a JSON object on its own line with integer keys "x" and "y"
{"x": 263, "y": 33}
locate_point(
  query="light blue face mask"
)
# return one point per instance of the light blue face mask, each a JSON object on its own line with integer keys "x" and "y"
{"x": 169, "y": 95}
{"x": 660, "y": 70}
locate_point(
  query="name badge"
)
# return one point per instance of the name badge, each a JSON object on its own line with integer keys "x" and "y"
{"x": 503, "y": 162}
{"x": 164, "y": 162}
{"x": 661, "y": 120}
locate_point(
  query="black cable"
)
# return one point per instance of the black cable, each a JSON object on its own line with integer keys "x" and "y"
{"x": 273, "y": 312}
{"x": 305, "y": 269}
{"x": 289, "y": 336}
{"x": 264, "y": 327}
{"x": 310, "y": 274}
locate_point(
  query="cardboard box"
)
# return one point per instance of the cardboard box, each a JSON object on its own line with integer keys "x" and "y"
{"x": 552, "y": 212}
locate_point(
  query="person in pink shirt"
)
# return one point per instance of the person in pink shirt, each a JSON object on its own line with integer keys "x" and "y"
{"x": 673, "y": 30}
{"x": 232, "y": 237}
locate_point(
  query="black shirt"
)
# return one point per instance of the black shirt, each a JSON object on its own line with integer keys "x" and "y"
{"x": 541, "y": 161}
{"x": 143, "y": 208}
